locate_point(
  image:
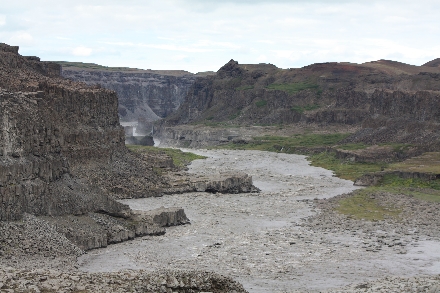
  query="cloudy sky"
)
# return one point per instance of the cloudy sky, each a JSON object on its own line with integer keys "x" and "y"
{"x": 201, "y": 35}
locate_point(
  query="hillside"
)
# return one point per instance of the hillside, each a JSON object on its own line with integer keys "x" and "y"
{"x": 402, "y": 98}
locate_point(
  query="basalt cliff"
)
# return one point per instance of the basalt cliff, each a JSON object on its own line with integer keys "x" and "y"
{"x": 386, "y": 101}
{"x": 62, "y": 148}
{"x": 145, "y": 95}
{"x": 64, "y": 164}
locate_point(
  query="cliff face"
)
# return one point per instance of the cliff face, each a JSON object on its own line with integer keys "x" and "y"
{"x": 321, "y": 94}
{"x": 145, "y": 94}
{"x": 60, "y": 143}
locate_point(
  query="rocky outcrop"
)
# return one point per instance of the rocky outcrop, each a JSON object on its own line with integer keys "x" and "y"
{"x": 95, "y": 230}
{"x": 144, "y": 94}
{"x": 214, "y": 183}
{"x": 194, "y": 137}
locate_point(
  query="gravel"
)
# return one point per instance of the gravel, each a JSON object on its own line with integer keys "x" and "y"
{"x": 287, "y": 238}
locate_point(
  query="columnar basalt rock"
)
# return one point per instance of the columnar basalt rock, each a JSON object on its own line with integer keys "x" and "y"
{"x": 56, "y": 138}
{"x": 145, "y": 94}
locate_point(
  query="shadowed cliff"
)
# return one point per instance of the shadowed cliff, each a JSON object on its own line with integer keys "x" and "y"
{"x": 61, "y": 146}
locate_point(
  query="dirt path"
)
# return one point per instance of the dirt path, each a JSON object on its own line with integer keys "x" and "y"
{"x": 259, "y": 239}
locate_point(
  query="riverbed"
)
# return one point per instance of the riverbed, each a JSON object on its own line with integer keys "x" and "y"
{"x": 259, "y": 239}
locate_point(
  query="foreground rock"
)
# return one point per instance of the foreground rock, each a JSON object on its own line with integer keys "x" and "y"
{"x": 127, "y": 281}
{"x": 69, "y": 236}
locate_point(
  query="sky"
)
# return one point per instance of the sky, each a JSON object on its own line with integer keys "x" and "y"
{"x": 203, "y": 35}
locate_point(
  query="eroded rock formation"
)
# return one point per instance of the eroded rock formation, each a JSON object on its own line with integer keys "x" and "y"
{"x": 145, "y": 94}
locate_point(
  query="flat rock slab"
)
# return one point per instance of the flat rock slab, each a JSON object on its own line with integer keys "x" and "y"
{"x": 224, "y": 182}
{"x": 95, "y": 230}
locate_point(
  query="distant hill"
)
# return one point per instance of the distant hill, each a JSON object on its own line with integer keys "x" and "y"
{"x": 433, "y": 63}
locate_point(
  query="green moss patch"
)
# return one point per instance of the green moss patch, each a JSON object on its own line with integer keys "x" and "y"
{"x": 261, "y": 103}
{"x": 426, "y": 163}
{"x": 364, "y": 206}
{"x": 344, "y": 169}
{"x": 288, "y": 144}
{"x": 292, "y": 88}
{"x": 180, "y": 159}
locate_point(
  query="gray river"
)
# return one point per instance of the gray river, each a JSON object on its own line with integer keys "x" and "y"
{"x": 255, "y": 238}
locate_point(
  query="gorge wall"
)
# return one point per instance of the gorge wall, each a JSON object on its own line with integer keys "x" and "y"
{"x": 145, "y": 94}
{"x": 61, "y": 146}
{"x": 402, "y": 98}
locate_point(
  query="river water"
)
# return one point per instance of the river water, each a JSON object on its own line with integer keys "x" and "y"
{"x": 255, "y": 238}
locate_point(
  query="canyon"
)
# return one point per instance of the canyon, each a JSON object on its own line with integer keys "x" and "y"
{"x": 145, "y": 95}
{"x": 63, "y": 167}
{"x": 70, "y": 187}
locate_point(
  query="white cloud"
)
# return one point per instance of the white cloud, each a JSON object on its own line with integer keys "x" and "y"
{"x": 82, "y": 51}
{"x": 199, "y": 35}
{"x": 261, "y": 58}
{"x": 21, "y": 39}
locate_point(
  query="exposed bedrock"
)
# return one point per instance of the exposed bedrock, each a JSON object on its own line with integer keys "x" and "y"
{"x": 96, "y": 230}
{"x": 216, "y": 183}
{"x": 142, "y": 94}
{"x": 194, "y": 137}
{"x": 62, "y": 149}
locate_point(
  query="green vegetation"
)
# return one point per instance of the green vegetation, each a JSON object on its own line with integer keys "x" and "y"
{"x": 426, "y": 163}
{"x": 210, "y": 118}
{"x": 342, "y": 168}
{"x": 288, "y": 144}
{"x": 364, "y": 206}
{"x": 391, "y": 180}
{"x": 235, "y": 115}
{"x": 261, "y": 103}
{"x": 292, "y": 88}
{"x": 301, "y": 109}
{"x": 245, "y": 88}
{"x": 353, "y": 146}
{"x": 180, "y": 159}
